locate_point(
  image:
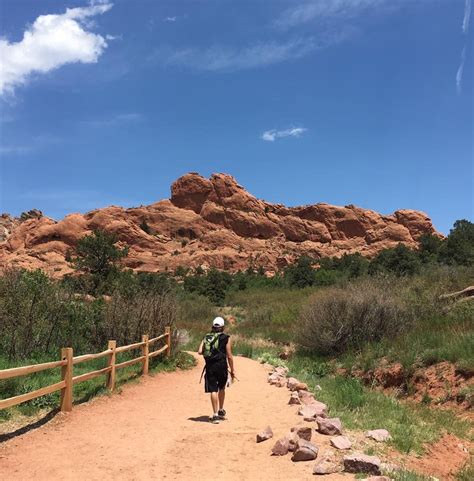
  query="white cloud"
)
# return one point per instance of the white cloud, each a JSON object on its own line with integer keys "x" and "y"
{"x": 460, "y": 71}
{"x": 272, "y": 135}
{"x": 114, "y": 120}
{"x": 323, "y": 9}
{"x": 465, "y": 30}
{"x": 49, "y": 43}
{"x": 14, "y": 150}
{"x": 170, "y": 19}
{"x": 467, "y": 16}
{"x": 228, "y": 59}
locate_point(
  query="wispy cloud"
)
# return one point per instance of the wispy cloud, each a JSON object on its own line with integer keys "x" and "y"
{"x": 229, "y": 59}
{"x": 170, "y": 19}
{"x": 310, "y": 10}
{"x": 34, "y": 143}
{"x": 114, "y": 120}
{"x": 465, "y": 30}
{"x": 14, "y": 150}
{"x": 460, "y": 72}
{"x": 467, "y": 16}
{"x": 272, "y": 135}
{"x": 51, "y": 42}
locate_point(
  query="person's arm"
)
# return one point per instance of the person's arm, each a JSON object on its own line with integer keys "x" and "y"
{"x": 230, "y": 358}
{"x": 200, "y": 348}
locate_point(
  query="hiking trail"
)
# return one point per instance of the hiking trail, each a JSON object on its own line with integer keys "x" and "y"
{"x": 157, "y": 429}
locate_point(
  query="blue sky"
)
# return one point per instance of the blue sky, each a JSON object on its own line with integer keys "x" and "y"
{"x": 365, "y": 102}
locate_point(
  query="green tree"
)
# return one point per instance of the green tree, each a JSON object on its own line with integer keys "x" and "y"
{"x": 301, "y": 274}
{"x": 97, "y": 255}
{"x": 430, "y": 246}
{"x": 458, "y": 248}
{"x": 400, "y": 261}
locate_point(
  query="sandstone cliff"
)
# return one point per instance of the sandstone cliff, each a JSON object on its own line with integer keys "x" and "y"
{"x": 210, "y": 222}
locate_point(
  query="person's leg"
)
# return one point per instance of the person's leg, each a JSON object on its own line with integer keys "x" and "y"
{"x": 221, "y": 399}
{"x": 215, "y": 402}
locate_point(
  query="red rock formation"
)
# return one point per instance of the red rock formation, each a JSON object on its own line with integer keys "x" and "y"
{"x": 210, "y": 222}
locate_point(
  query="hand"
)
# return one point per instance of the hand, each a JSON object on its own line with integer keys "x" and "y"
{"x": 232, "y": 375}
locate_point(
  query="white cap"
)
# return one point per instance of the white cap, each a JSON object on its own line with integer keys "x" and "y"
{"x": 218, "y": 322}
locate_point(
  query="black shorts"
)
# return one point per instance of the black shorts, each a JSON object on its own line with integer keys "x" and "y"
{"x": 215, "y": 377}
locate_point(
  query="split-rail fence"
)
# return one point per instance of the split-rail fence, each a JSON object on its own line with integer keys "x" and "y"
{"x": 68, "y": 361}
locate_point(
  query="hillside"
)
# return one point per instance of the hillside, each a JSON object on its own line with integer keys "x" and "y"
{"x": 211, "y": 223}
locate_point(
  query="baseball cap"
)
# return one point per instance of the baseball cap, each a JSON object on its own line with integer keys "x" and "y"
{"x": 218, "y": 322}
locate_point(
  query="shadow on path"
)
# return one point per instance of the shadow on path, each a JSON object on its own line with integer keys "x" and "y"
{"x": 200, "y": 419}
{"x": 29, "y": 427}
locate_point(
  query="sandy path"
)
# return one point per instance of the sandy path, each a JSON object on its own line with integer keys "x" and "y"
{"x": 147, "y": 433}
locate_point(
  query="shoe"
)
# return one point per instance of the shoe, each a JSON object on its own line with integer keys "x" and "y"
{"x": 221, "y": 413}
{"x": 214, "y": 419}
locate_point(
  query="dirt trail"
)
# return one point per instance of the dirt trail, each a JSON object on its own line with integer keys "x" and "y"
{"x": 154, "y": 430}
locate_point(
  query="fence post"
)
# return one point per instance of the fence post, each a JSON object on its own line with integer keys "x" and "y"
{"x": 111, "y": 363}
{"x": 66, "y": 375}
{"x": 168, "y": 340}
{"x": 145, "y": 352}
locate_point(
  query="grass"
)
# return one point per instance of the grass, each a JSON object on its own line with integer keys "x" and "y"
{"x": 82, "y": 392}
{"x": 467, "y": 473}
{"x": 270, "y": 312}
{"x": 411, "y": 425}
{"x": 432, "y": 340}
{"x": 403, "y": 475}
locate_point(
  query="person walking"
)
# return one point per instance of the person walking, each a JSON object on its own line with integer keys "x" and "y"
{"x": 216, "y": 348}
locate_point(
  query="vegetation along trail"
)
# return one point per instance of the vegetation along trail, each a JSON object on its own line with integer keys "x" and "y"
{"x": 158, "y": 429}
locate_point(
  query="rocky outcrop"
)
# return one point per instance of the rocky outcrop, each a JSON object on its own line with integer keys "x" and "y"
{"x": 211, "y": 222}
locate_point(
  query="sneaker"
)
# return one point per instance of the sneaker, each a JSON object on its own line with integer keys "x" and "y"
{"x": 214, "y": 419}
{"x": 221, "y": 413}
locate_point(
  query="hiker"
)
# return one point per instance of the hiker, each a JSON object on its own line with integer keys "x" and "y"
{"x": 217, "y": 351}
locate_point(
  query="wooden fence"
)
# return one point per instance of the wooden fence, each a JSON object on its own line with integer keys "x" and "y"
{"x": 68, "y": 361}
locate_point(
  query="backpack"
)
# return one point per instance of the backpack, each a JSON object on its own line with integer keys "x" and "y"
{"x": 210, "y": 348}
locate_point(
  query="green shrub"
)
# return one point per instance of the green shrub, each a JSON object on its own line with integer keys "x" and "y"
{"x": 337, "y": 319}
{"x": 458, "y": 248}
{"x": 400, "y": 261}
{"x": 301, "y": 274}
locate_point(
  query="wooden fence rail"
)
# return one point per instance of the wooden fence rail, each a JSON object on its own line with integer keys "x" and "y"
{"x": 68, "y": 361}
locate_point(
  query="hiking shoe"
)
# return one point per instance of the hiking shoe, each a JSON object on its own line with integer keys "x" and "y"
{"x": 214, "y": 419}
{"x": 221, "y": 413}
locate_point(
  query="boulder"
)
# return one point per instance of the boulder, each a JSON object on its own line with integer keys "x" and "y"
{"x": 267, "y": 433}
{"x": 293, "y": 439}
{"x": 305, "y": 451}
{"x": 282, "y": 371}
{"x": 300, "y": 386}
{"x": 291, "y": 383}
{"x": 277, "y": 380}
{"x": 325, "y": 466}
{"x": 329, "y": 426}
{"x": 303, "y": 432}
{"x": 362, "y": 463}
{"x": 281, "y": 447}
{"x": 341, "y": 442}
{"x": 311, "y": 411}
{"x": 294, "y": 399}
{"x": 210, "y": 222}
{"x": 379, "y": 435}
{"x": 306, "y": 397}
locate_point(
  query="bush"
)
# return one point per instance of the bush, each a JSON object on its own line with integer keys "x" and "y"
{"x": 400, "y": 261}
{"x": 458, "y": 248}
{"x": 301, "y": 274}
{"x": 338, "y": 319}
{"x": 39, "y": 315}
